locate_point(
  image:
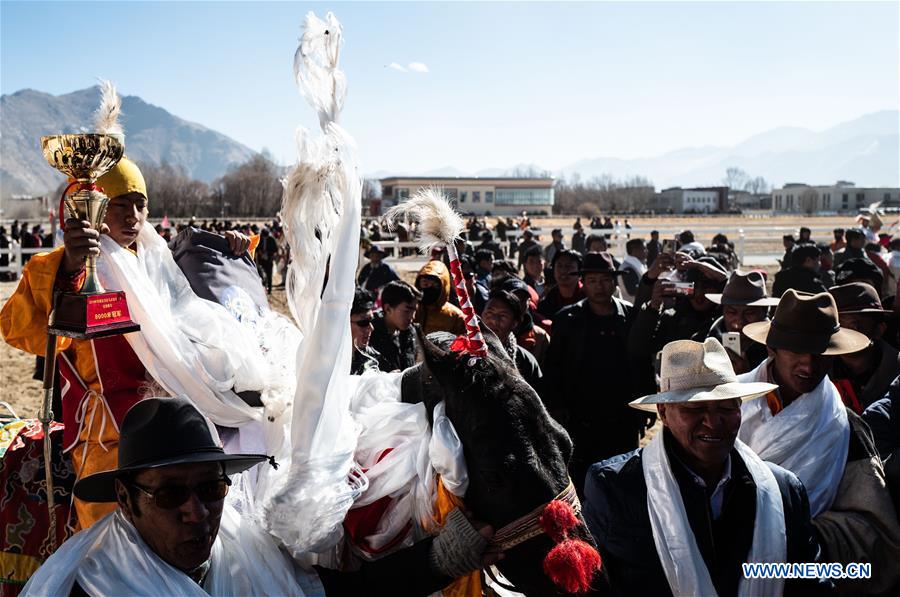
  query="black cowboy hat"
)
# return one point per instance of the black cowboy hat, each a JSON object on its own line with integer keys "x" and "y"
{"x": 807, "y": 324}
{"x": 599, "y": 263}
{"x": 161, "y": 432}
{"x": 857, "y": 297}
{"x": 374, "y": 249}
{"x": 744, "y": 289}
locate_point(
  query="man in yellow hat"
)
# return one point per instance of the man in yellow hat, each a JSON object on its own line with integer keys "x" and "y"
{"x": 101, "y": 378}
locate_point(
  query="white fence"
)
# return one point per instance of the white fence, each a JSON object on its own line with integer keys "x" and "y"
{"x": 15, "y": 253}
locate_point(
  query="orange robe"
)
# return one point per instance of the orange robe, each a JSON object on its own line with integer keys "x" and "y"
{"x": 94, "y": 398}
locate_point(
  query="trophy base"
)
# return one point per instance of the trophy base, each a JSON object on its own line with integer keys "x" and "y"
{"x": 85, "y": 316}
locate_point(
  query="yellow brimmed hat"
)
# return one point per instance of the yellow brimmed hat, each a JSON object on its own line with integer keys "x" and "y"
{"x": 124, "y": 178}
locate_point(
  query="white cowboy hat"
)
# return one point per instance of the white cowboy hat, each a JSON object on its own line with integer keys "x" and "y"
{"x": 698, "y": 372}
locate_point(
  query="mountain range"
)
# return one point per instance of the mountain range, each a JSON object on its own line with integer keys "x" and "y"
{"x": 864, "y": 150}
{"x": 152, "y": 135}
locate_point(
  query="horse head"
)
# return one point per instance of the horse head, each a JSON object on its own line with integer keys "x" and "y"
{"x": 516, "y": 454}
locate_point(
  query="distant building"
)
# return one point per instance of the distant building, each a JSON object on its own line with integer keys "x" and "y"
{"x": 745, "y": 200}
{"x": 695, "y": 200}
{"x": 843, "y": 196}
{"x": 499, "y": 196}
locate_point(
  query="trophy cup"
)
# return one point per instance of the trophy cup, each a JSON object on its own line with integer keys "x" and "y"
{"x": 92, "y": 312}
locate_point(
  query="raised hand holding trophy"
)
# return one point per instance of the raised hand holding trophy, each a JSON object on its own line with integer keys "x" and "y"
{"x": 92, "y": 312}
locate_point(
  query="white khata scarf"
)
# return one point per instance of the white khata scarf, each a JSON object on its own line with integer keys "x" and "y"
{"x": 111, "y": 558}
{"x": 194, "y": 347}
{"x": 675, "y": 544}
{"x": 810, "y": 437}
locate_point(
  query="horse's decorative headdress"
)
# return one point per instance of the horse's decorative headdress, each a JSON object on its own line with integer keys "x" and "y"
{"x": 440, "y": 226}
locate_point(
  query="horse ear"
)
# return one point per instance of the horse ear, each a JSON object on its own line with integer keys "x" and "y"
{"x": 435, "y": 360}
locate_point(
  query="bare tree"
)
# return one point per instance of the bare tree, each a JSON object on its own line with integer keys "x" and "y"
{"x": 757, "y": 185}
{"x": 735, "y": 178}
{"x": 172, "y": 192}
{"x": 809, "y": 201}
{"x": 251, "y": 189}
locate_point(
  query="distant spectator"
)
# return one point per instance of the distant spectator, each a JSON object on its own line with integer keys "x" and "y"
{"x": 838, "y": 243}
{"x": 788, "y": 243}
{"x": 527, "y": 243}
{"x": 654, "y": 247}
{"x": 688, "y": 244}
{"x": 488, "y": 243}
{"x": 633, "y": 267}
{"x": 802, "y": 273}
{"x": 393, "y": 337}
{"x": 805, "y": 236}
{"x": 435, "y": 313}
{"x": 478, "y": 293}
{"x": 578, "y": 239}
{"x": 502, "y": 270}
{"x": 376, "y": 273}
{"x": 855, "y": 249}
{"x": 556, "y": 245}
{"x": 567, "y": 284}
{"x": 864, "y": 376}
{"x": 534, "y": 270}
{"x": 670, "y": 315}
{"x": 529, "y": 335}
{"x": 265, "y": 257}
{"x": 484, "y": 265}
{"x": 595, "y": 243}
{"x": 4, "y": 257}
{"x": 503, "y": 314}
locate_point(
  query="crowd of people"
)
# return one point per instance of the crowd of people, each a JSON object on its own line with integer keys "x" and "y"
{"x": 592, "y": 335}
{"x": 778, "y": 435}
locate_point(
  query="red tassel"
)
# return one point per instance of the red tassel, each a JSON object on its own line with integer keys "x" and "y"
{"x": 557, "y": 518}
{"x": 571, "y": 565}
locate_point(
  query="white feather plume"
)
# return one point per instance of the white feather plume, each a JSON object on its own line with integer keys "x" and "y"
{"x": 438, "y": 223}
{"x": 106, "y": 118}
{"x": 321, "y": 208}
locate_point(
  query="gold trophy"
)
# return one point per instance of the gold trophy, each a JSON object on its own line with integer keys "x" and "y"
{"x": 92, "y": 312}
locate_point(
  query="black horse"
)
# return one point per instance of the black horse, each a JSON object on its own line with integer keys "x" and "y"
{"x": 516, "y": 454}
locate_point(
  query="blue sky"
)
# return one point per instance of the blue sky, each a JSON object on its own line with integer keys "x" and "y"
{"x": 508, "y": 82}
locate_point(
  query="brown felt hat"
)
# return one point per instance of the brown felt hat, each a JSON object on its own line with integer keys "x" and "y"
{"x": 808, "y": 324}
{"x": 744, "y": 289}
{"x": 857, "y": 297}
{"x": 599, "y": 263}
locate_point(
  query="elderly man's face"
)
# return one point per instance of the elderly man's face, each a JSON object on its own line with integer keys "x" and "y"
{"x": 183, "y": 536}
{"x": 704, "y": 431}
{"x": 799, "y": 373}
{"x": 737, "y": 316}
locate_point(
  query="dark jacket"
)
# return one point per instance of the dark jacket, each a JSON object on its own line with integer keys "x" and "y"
{"x": 799, "y": 278}
{"x": 373, "y": 278}
{"x": 872, "y": 387}
{"x": 883, "y": 418}
{"x": 615, "y": 509}
{"x": 589, "y": 379}
{"x": 552, "y": 301}
{"x": 395, "y": 351}
{"x": 652, "y": 330}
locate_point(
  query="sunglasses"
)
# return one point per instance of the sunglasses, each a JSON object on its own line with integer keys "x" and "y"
{"x": 364, "y": 323}
{"x": 169, "y": 497}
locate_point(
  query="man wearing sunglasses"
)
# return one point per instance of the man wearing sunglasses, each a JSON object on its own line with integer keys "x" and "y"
{"x": 173, "y": 533}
